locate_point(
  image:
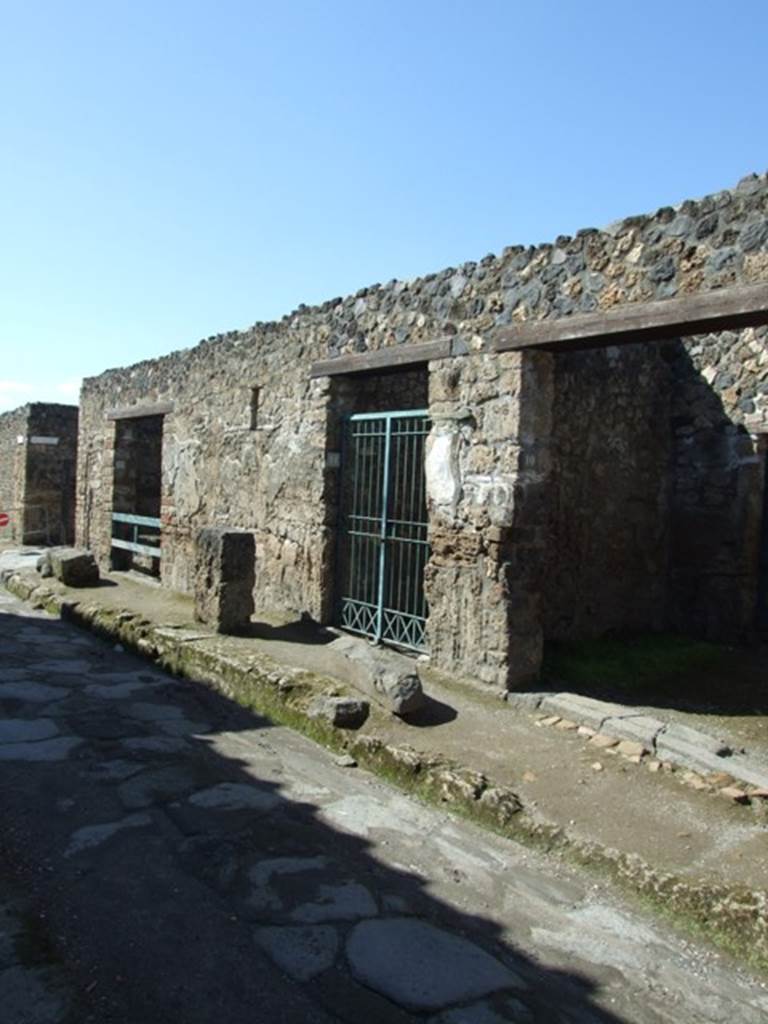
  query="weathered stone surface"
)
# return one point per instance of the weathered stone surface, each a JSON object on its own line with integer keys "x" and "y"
{"x": 390, "y": 679}
{"x": 75, "y": 567}
{"x": 349, "y": 901}
{"x": 302, "y": 953}
{"x": 56, "y": 749}
{"x": 421, "y": 967}
{"x": 37, "y": 693}
{"x": 26, "y": 730}
{"x": 343, "y": 712}
{"x": 567, "y": 496}
{"x": 38, "y": 454}
{"x": 747, "y": 770}
{"x": 642, "y": 728}
{"x": 235, "y": 796}
{"x": 32, "y": 996}
{"x": 94, "y": 835}
{"x": 224, "y": 578}
{"x": 683, "y": 745}
{"x": 582, "y": 709}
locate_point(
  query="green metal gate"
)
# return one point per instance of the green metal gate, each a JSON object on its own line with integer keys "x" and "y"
{"x": 383, "y": 544}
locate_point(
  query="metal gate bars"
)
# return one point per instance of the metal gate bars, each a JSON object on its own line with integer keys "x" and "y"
{"x": 383, "y": 544}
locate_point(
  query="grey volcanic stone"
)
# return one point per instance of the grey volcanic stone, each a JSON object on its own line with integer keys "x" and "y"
{"x": 75, "y": 567}
{"x": 343, "y": 712}
{"x": 234, "y": 796}
{"x": 33, "y": 692}
{"x": 302, "y": 953}
{"x": 346, "y": 902}
{"x": 421, "y": 967}
{"x": 224, "y": 578}
{"x": 31, "y": 996}
{"x": 94, "y": 835}
{"x": 26, "y": 730}
{"x": 690, "y": 747}
{"x": 56, "y": 749}
{"x": 389, "y": 678}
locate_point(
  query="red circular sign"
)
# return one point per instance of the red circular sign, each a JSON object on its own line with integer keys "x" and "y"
{"x": 4, "y": 519}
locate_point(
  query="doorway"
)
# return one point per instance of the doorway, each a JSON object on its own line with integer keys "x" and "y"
{"x": 137, "y": 494}
{"x": 383, "y": 541}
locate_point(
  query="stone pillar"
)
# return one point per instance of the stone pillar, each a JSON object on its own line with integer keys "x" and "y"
{"x": 487, "y": 467}
{"x": 224, "y": 578}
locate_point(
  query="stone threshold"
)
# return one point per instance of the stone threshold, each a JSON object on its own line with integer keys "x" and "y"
{"x": 638, "y": 736}
{"x": 733, "y": 916}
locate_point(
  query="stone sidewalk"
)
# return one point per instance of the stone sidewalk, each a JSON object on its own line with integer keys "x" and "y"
{"x": 191, "y": 862}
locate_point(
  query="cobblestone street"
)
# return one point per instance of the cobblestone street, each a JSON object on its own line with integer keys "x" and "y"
{"x": 171, "y": 857}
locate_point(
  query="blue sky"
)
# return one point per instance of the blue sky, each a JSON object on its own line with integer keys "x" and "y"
{"x": 173, "y": 170}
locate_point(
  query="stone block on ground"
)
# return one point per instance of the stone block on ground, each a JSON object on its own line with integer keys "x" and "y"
{"x": 389, "y": 678}
{"x": 746, "y": 770}
{"x": 74, "y": 567}
{"x": 581, "y": 709}
{"x": 686, "y": 746}
{"x": 342, "y": 712}
{"x": 224, "y": 578}
{"x": 641, "y": 728}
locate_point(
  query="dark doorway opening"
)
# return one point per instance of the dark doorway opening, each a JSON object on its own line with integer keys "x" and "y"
{"x": 137, "y": 494}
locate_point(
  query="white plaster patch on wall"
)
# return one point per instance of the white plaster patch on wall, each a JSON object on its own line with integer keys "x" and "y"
{"x": 442, "y": 470}
{"x": 494, "y": 492}
{"x": 180, "y": 464}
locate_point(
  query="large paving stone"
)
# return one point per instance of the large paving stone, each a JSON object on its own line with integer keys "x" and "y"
{"x": 349, "y": 901}
{"x": 235, "y": 796}
{"x": 420, "y": 967}
{"x": 57, "y": 749}
{"x": 514, "y": 1012}
{"x": 302, "y": 952}
{"x": 26, "y": 730}
{"x": 116, "y": 691}
{"x": 29, "y": 995}
{"x": 94, "y": 835}
{"x": 157, "y": 785}
{"x": 35, "y": 693}
{"x": 155, "y": 744}
{"x": 268, "y": 895}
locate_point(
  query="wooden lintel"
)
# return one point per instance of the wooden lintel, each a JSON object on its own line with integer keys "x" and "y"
{"x": 666, "y": 319}
{"x": 389, "y": 358}
{"x": 135, "y": 411}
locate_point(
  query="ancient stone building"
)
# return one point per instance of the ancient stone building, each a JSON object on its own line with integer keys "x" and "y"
{"x": 38, "y": 457}
{"x": 582, "y": 450}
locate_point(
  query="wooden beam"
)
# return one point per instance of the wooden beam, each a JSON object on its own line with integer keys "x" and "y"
{"x": 723, "y": 309}
{"x": 135, "y": 411}
{"x": 389, "y": 358}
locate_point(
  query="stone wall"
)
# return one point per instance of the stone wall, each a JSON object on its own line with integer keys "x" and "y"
{"x": 13, "y": 455}
{"x": 719, "y": 423}
{"x": 38, "y": 454}
{"x": 608, "y": 543}
{"x": 252, "y": 439}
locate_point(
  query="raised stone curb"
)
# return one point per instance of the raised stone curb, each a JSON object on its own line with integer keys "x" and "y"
{"x": 640, "y": 728}
{"x": 732, "y": 915}
{"x": 680, "y": 744}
